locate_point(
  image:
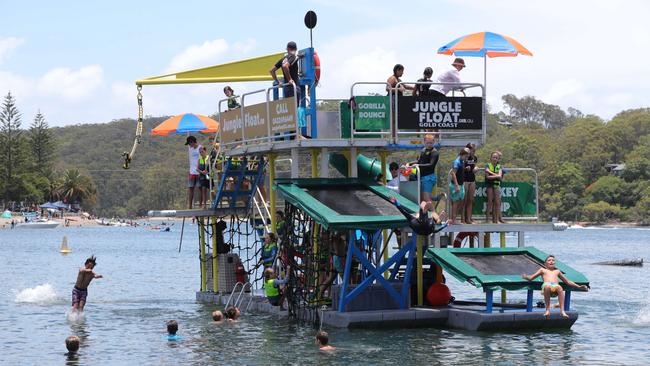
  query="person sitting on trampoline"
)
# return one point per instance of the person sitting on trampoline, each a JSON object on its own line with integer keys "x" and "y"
{"x": 421, "y": 223}
{"x": 551, "y": 286}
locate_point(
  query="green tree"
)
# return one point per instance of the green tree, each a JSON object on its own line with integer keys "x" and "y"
{"x": 11, "y": 144}
{"x": 608, "y": 189}
{"x": 77, "y": 188}
{"x": 41, "y": 142}
{"x": 563, "y": 192}
{"x": 601, "y": 212}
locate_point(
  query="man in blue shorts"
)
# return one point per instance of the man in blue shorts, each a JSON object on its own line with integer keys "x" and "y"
{"x": 456, "y": 186}
{"x": 427, "y": 161}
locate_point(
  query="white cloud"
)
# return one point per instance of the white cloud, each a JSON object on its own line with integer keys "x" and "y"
{"x": 8, "y": 45}
{"x": 70, "y": 84}
{"x": 18, "y": 85}
{"x": 201, "y": 55}
{"x": 244, "y": 47}
{"x": 562, "y": 89}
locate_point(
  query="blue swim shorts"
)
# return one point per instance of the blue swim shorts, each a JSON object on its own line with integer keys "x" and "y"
{"x": 428, "y": 182}
{"x": 456, "y": 196}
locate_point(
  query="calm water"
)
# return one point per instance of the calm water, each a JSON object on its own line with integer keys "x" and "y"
{"x": 148, "y": 282}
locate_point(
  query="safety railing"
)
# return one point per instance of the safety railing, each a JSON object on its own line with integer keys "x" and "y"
{"x": 242, "y": 288}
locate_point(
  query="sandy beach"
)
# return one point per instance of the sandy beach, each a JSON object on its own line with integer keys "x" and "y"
{"x": 75, "y": 221}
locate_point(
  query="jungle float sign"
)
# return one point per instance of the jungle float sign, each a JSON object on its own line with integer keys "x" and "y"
{"x": 445, "y": 113}
{"x": 256, "y": 120}
{"x": 517, "y": 199}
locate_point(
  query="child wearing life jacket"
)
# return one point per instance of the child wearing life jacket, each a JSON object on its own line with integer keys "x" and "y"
{"x": 272, "y": 289}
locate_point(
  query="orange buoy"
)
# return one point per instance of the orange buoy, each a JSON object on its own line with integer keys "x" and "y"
{"x": 317, "y": 66}
{"x": 438, "y": 294}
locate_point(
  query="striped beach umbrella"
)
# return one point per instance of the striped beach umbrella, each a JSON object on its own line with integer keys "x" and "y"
{"x": 484, "y": 44}
{"x": 186, "y": 123}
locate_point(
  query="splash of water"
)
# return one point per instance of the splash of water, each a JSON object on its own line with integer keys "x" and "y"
{"x": 41, "y": 294}
{"x": 643, "y": 316}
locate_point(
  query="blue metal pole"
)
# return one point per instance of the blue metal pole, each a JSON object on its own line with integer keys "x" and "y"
{"x": 488, "y": 301}
{"x": 567, "y": 300}
{"x": 346, "y": 273}
{"x": 529, "y": 301}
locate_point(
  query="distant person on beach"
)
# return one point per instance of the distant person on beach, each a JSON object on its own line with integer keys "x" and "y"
{"x": 172, "y": 329}
{"x": 551, "y": 285}
{"x": 217, "y": 317}
{"x": 193, "y": 181}
{"x": 272, "y": 289}
{"x": 422, "y": 90}
{"x": 457, "y": 184}
{"x": 449, "y": 77}
{"x": 493, "y": 178}
{"x": 470, "y": 183}
{"x": 80, "y": 290}
{"x": 323, "y": 340}
{"x": 289, "y": 66}
{"x": 232, "y": 98}
{"x": 421, "y": 223}
{"x": 72, "y": 345}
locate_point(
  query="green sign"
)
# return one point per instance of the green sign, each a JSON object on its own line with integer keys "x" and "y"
{"x": 372, "y": 113}
{"x": 517, "y": 199}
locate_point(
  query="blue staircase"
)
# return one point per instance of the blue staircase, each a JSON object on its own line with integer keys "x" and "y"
{"x": 231, "y": 186}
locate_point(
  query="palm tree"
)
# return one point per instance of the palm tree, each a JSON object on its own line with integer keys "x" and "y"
{"x": 77, "y": 188}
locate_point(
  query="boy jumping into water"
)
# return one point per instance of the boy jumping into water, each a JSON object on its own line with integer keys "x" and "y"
{"x": 421, "y": 223}
{"x": 551, "y": 285}
{"x": 80, "y": 290}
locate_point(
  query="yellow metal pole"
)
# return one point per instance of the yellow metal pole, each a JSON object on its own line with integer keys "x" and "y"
{"x": 202, "y": 252}
{"x": 215, "y": 269}
{"x": 502, "y": 244}
{"x": 419, "y": 243}
{"x": 384, "y": 233}
{"x": 314, "y": 162}
{"x": 272, "y": 193}
{"x": 487, "y": 240}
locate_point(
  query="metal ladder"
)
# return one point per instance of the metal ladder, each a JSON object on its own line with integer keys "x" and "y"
{"x": 239, "y": 300}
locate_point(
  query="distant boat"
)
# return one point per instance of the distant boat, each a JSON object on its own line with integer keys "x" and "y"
{"x": 38, "y": 224}
{"x": 64, "y": 246}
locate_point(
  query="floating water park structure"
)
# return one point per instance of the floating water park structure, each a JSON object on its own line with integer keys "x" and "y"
{"x": 320, "y": 170}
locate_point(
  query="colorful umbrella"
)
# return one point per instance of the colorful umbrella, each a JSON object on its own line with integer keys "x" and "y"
{"x": 484, "y": 44}
{"x": 186, "y": 123}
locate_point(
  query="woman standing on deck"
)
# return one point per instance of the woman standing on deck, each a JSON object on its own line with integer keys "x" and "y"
{"x": 470, "y": 183}
{"x": 493, "y": 177}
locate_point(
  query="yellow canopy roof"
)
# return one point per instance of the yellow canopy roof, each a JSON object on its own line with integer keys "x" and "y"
{"x": 252, "y": 69}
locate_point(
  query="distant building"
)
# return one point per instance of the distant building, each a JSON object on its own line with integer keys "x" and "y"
{"x": 503, "y": 122}
{"x": 615, "y": 169}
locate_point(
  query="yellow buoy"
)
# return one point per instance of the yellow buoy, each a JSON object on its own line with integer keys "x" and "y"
{"x": 64, "y": 246}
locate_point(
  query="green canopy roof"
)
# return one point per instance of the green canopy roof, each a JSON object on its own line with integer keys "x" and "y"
{"x": 345, "y": 203}
{"x": 498, "y": 268}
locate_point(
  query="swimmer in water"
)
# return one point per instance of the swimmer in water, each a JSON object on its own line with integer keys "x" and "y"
{"x": 551, "y": 286}
{"x": 232, "y": 314}
{"x": 322, "y": 341}
{"x": 217, "y": 317}
{"x": 172, "y": 328}
{"x": 80, "y": 290}
{"x": 72, "y": 345}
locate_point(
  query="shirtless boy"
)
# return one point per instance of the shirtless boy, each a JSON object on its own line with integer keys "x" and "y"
{"x": 80, "y": 290}
{"x": 551, "y": 285}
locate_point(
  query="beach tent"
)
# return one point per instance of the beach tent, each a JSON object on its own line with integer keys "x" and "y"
{"x": 60, "y": 205}
{"x": 6, "y": 214}
{"x": 47, "y": 205}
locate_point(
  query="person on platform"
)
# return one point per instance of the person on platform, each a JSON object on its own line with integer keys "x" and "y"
{"x": 204, "y": 176}
{"x": 393, "y": 80}
{"x": 289, "y": 66}
{"x": 395, "y": 172}
{"x": 427, "y": 161}
{"x": 470, "y": 183}
{"x": 457, "y": 184}
{"x": 551, "y": 286}
{"x": 323, "y": 340}
{"x": 449, "y": 78}
{"x": 269, "y": 250}
{"x": 232, "y": 98}
{"x": 84, "y": 277}
{"x": 193, "y": 153}
{"x": 493, "y": 178}
{"x": 421, "y": 223}
{"x": 422, "y": 90}
{"x": 272, "y": 288}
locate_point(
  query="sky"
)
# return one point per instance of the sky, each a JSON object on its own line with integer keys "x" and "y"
{"x": 76, "y": 61}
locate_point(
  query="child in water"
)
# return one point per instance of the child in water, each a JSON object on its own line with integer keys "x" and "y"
{"x": 172, "y": 328}
{"x": 72, "y": 345}
{"x": 322, "y": 341}
{"x": 80, "y": 290}
{"x": 232, "y": 314}
{"x": 551, "y": 286}
{"x": 217, "y": 317}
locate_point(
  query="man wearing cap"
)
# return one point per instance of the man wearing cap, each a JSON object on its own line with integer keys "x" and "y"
{"x": 289, "y": 66}
{"x": 451, "y": 76}
{"x": 193, "y": 178}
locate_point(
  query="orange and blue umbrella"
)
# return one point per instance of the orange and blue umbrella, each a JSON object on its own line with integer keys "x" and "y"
{"x": 186, "y": 123}
{"x": 484, "y": 44}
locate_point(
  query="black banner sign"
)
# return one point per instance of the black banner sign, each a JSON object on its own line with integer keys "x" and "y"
{"x": 451, "y": 113}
